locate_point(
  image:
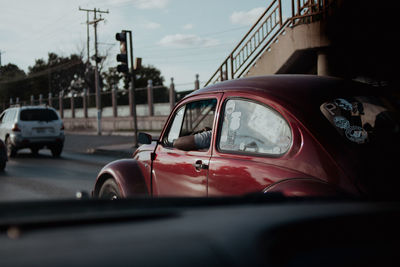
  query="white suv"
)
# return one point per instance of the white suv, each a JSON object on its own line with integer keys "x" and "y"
{"x": 33, "y": 127}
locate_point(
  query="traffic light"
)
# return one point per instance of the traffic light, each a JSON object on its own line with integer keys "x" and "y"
{"x": 123, "y": 56}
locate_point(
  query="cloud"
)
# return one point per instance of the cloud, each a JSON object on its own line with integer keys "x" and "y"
{"x": 141, "y": 4}
{"x": 187, "y": 26}
{"x": 152, "y": 25}
{"x": 186, "y": 40}
{"x": 246, "y": 17}
{"x": 150, "y": 4}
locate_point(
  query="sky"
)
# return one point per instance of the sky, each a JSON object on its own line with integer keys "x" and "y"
{"x": 181, "y": 38}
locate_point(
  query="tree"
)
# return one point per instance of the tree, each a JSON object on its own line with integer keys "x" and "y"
{"x": 11, "y": 82}
{"x": 10, "y": 71}
{"x": 142, "y": 76}
{"x": 56, "y": 74}
{"x": 111, "y": 78}
{"x": 148, "y": 73}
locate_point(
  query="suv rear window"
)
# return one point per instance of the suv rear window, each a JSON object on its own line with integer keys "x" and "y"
{"x": 38, "y": 115}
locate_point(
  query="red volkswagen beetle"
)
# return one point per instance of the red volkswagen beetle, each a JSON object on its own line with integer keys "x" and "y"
{"x": 301, "y": 135}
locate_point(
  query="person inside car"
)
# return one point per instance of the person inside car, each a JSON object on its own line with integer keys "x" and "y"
{"x": 195, "y": 141}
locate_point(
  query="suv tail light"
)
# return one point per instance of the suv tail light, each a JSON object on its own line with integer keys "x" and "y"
{"x": 15, "y": 128}
{"x": 62, "y": 127}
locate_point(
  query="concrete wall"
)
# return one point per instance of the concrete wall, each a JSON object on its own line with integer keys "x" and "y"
{"x": 160, "y": 109}
{"x": 154, "y": 123}
{"x": 298, "y": 46}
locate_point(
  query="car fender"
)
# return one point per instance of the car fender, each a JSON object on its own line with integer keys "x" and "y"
{"x": 300, "y": 187}
{"x": 128, "y": 176}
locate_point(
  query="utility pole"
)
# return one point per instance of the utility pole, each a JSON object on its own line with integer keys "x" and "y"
{"x": 0, "y": 56}
{"x": 132, "y": 89}
{"x": 87, "y": 36}
{"x": 124, "y": 67}
{"x": 96, "y": 58}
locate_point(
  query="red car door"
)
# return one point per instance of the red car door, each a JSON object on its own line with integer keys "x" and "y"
{"x": 184, "y": 173}
{"x": 251, "y": 148}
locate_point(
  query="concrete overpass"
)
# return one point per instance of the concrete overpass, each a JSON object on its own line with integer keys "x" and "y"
{"x": 301, "y": 49}
{"x": 273, "y": 45}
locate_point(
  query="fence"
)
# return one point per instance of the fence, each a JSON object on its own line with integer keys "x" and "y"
{"x": 115, "y": 103}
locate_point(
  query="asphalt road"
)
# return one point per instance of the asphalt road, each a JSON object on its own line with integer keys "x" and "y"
{"x": 29, "y": 177}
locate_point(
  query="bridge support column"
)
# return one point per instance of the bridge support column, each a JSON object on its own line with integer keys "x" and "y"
{"x": 322, "y": 64}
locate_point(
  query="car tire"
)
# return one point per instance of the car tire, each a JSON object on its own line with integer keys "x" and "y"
{"x": 11, "y": 150}
{"x": 109, "y": 190}
{"x": 56, "y": 150}
{"x": 2, "y": 165}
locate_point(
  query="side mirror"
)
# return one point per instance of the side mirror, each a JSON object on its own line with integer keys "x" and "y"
{"x": 144, "y": 138}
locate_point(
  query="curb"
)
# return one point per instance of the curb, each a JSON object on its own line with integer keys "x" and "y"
{"x": 106, "y": 152}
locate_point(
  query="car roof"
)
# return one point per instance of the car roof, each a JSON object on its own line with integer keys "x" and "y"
{"x": 299, "y": 94}
{"x": 30, "y": 107}
{"x": 36, "y": 107}
{"x": 282, "y": 86}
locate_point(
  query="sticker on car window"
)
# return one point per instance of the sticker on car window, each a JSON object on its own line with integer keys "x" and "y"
{"x": 230, "y": 107}
{"x": 343, "y": 103}
{"x": 341, "y": 122}
{"x": 235, "y": 121}
{"x": 270, "y": 128}
{"x": 360, "y": 119}
{"x": 356, "y": 134}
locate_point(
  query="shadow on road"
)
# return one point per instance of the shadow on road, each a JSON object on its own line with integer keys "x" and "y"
{"x": 28, "y": 155}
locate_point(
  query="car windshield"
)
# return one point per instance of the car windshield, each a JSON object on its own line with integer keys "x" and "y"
{"x": 38, "y": 115}
{"x": 258, "y": 93}
{"x": 289, "y": 108}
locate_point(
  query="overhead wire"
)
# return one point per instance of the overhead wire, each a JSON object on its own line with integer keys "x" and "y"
{"x": 48, "y": 70}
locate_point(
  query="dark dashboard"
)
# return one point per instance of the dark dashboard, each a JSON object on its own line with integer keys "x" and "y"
{"x": 200, "y": 232}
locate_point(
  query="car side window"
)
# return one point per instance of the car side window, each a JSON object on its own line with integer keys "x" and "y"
{"x": 176, "y": 126}
{"x": 6, "y": 117}
{"x": 11, "y": 116}
{"x": 191, "y": 118}
{"x": 250, "y": 127}
{"x": 2, "y": 117}
{"x": 199, "y": 115}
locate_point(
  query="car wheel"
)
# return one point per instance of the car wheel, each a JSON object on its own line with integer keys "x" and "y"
{"x": 56, "y": 150}
{"x": 2, "y": 165}
{"x": 11, "y": 150}
{"x": 109, "y": 190}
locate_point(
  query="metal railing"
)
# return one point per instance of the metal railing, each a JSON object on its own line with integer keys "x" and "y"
{"x": 264, "y": 33}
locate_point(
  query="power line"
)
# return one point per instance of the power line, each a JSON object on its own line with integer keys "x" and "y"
{"x": 66, "y": 65}
{"x": 202, "y": 36}
{"x": 55, "y": 28}
{"x": 96, "y": 70}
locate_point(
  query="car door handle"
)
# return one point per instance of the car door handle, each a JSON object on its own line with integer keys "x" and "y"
{"x": 198, "y": 165}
